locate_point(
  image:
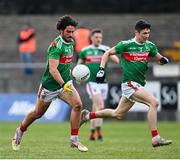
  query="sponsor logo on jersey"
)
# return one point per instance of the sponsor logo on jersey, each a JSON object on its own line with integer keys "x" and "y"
{"x": 66, "y": 59}
{"x": 93, "y": 59}
{"x": 136, "y": 56}
{"x": 68, "y": 50}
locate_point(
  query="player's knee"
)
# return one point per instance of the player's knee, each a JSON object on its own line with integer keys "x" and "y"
{"x": 77, "y": 106}
{"x": 155, "y": 103}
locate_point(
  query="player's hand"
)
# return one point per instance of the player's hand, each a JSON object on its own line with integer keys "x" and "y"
{"x": 164, "y": 60}
{"x": 67, "y": 87}
{"x": 100, "y": 75}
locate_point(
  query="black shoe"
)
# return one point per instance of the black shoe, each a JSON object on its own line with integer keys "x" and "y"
{"x": 92, "y": 139}
{"x": 100, "y": 138}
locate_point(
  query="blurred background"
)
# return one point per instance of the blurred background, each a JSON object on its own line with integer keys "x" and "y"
{"x": 20, "y": 74}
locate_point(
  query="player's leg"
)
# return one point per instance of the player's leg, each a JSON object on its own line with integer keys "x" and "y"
{"x": 94, "y": 91}
{"x": 75, "y": 102}
{"x": 91, "y": 90}
{"x": 92, "y": 124}
{"x": 124, "y": 105}
{"x": 98, "y": 104}
{"x": 39, "y": 110}
{"x": 122, "y": 108}
{"x": 143, "y": 96}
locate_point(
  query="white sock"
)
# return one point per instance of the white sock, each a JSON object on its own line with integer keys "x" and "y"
{"x": 87, "y": 116}
{"x": 156, "y": 138}
{"x": 74, "y": 136}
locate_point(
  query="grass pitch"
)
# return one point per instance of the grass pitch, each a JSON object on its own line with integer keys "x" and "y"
{"x": 121, "y": 140}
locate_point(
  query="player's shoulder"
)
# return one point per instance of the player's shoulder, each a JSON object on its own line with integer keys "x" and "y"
{"x": 125, "y": 42}
{"x": 86, "y": 48}
{"x": 150, "y": 43}
{"x": 129, "y": 41}
{"x": 57, "y": 42}
{"x": 103, "y": 47}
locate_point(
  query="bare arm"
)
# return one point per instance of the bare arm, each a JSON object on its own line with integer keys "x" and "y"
{"x": 160, "y": 59}
{"x": 53, "y": 64}
{"x": 106, "y": 55}
{"x": 80, "y": 61}
{"x": 115, "y": 59}
{"x": 101, "y": 73}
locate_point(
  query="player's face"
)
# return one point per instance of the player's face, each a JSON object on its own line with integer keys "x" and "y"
{"x": 67, "y": 34}
{"x": 96, "y": 39}
{"x": 143, "y": 35}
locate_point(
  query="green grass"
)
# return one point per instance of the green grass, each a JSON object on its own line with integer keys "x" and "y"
{"x": 121, "y": 140}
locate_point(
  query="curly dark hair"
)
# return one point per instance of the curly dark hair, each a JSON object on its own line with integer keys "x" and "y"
{"x": 65, "y": 21}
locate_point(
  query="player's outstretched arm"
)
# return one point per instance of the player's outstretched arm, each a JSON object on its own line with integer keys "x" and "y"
{"x": 106, "y": 55}
{"x": 115, "y": 59}
{"x": 161, "y": 60}
{"x": 80, "y": 61}
{"x": 101, "y": 73}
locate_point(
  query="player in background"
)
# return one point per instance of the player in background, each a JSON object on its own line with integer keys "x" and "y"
{"x": 134, "y": 56}
{"x": 91, "y": 57}
{"x": 56, "y": 83}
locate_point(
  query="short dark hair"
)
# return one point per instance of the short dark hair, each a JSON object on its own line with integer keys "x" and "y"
{"x": 96, "y": 31}
{"x": 140, "y": 25}
{"x": 65, "y": 21}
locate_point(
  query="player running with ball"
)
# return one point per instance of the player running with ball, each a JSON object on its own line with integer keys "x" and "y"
{"x": 134, "y": 54}
{"x": 56, "y": 83}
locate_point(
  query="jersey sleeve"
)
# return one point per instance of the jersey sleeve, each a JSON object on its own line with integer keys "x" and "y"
{"x": 54, "y": 52}
{"x": 119, "y": 47}
{"x": 82, "y": 55}
{"x": 154, "y": 50}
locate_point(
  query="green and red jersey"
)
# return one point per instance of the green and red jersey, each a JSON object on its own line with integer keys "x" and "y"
{"x": 62, "y": 51}
{"x": 92, "y": 56}
{"x": 134, "y": 59}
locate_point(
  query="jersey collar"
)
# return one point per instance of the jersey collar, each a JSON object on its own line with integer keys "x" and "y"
{"x": 134, "y": 39}
{"x": 63, "y": 40}
{"x": 94, "y": 47}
